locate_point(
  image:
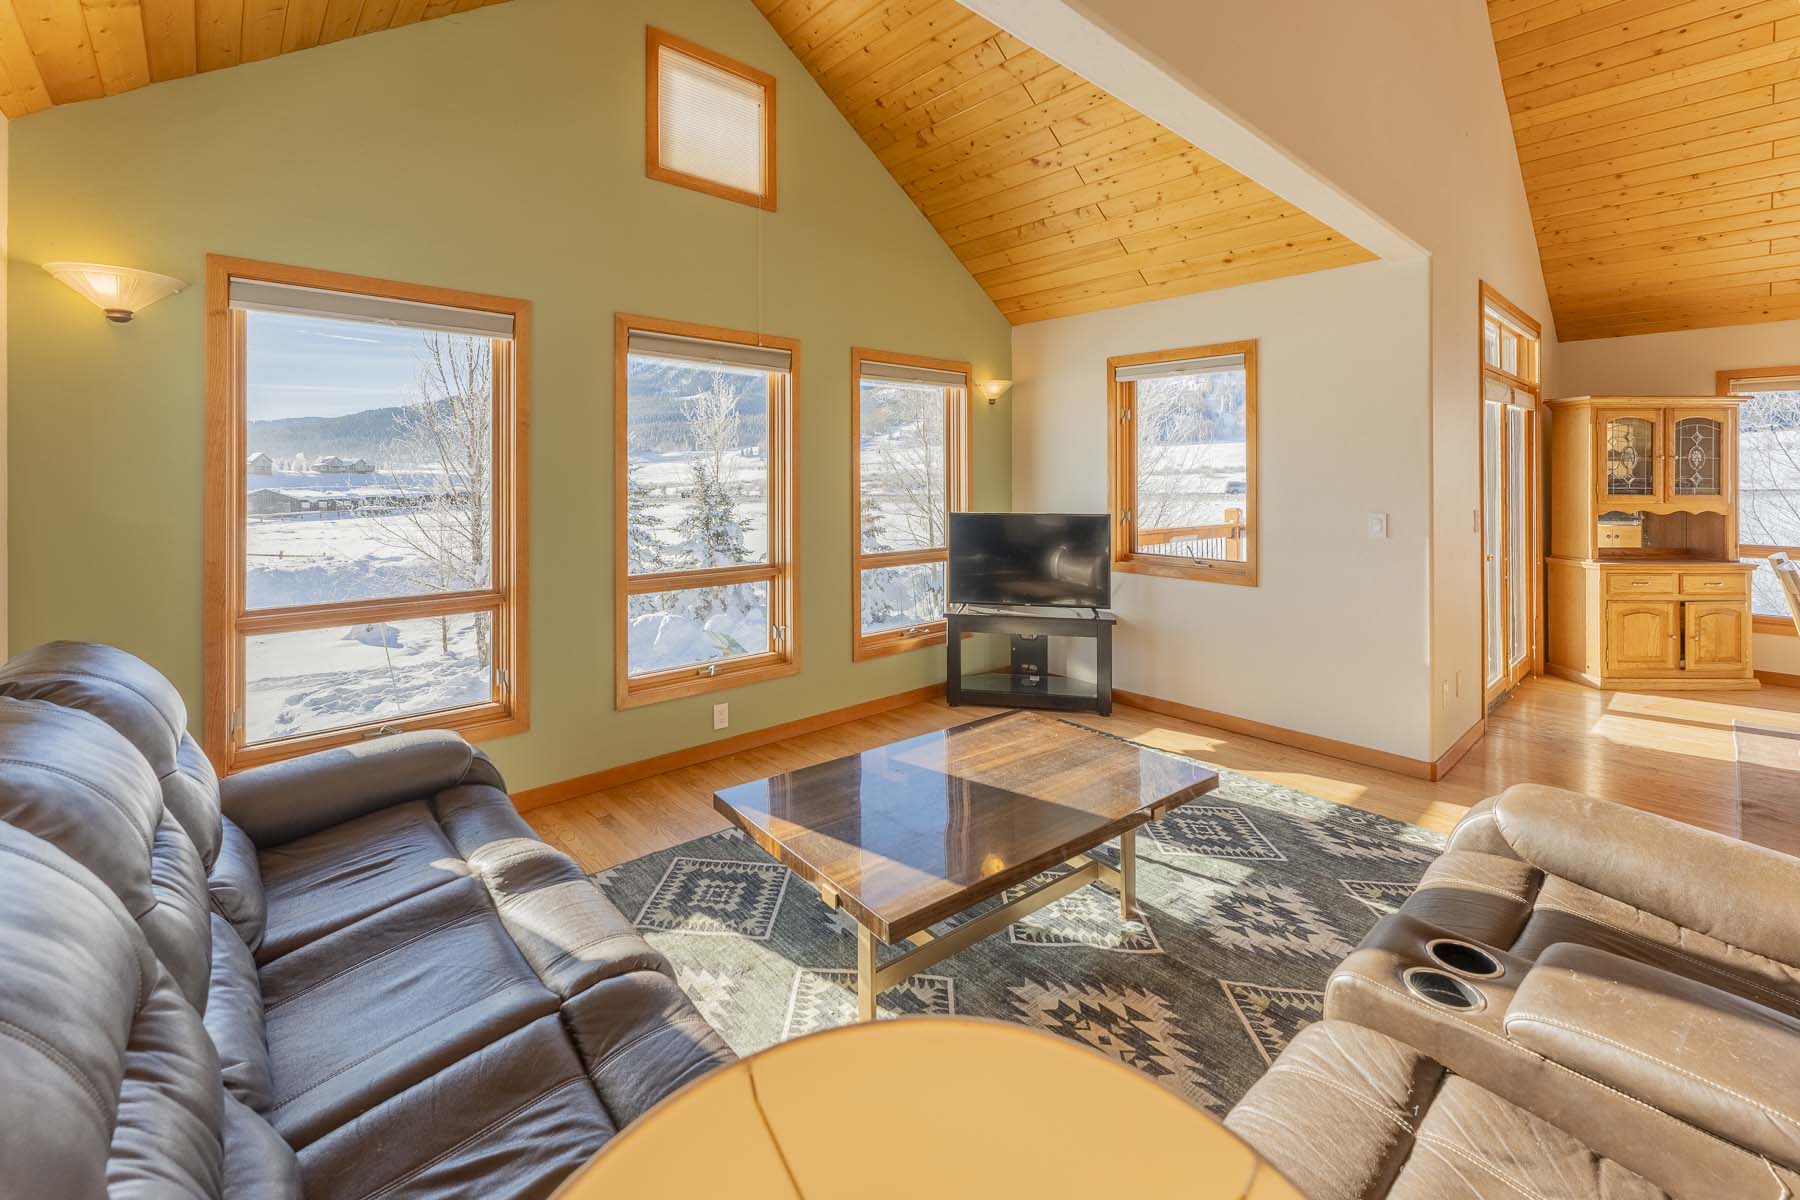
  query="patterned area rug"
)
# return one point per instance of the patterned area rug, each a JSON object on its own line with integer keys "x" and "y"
{"x": 1250, "y": 895}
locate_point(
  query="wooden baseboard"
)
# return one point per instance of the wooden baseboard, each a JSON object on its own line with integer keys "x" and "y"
{"x": 1779, "y": 679}
{"x": 1448, "y": 759}
{"x": 599, "y": 781}
{"x": 1331, "y": 747}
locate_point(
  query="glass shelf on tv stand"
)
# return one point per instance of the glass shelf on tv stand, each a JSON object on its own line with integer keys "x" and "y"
{"x": 1055, "y": 613}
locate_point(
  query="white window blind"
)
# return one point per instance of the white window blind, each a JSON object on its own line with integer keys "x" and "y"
{"x": 257, "y": 295}
{"x": 1218, "y": 365}
{"x": 922, "y": 376}
{"x": 1751, "y": 387}
{"x": 702, "y": 350}
{"x": 709, "y": 122}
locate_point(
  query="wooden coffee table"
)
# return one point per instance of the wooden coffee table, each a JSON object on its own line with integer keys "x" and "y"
{"x": 906, "y": 835}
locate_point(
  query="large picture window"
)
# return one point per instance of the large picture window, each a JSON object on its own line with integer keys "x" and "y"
{"x": 1182, "y": 429}
{"x": 704, "y": 554}
{"x": 1768, "y": 480}
{"x": 909, "y": 468}
{"x": 365, "y": 524}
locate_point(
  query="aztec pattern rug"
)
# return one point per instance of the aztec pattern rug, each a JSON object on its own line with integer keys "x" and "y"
{"x": 1249, "y": 896}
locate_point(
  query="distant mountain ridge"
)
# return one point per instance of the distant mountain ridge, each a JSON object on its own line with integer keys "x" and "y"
{"x": 368, "y": 434}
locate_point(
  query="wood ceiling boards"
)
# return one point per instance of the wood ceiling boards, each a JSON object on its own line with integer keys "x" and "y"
{"x": 1660, "y": 146}
{"x": 60, "y": 51}
{"x": 1058, "y": 198}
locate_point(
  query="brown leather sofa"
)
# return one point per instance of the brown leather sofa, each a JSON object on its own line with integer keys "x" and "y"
{"x": 1579, "y": 1000}
{"x": 356, "y": 973}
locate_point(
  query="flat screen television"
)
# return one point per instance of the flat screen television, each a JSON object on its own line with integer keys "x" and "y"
{"x": 1056, "y": 560}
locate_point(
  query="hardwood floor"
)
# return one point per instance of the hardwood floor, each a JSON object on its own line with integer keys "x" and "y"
{"x": 1669, "y": 753}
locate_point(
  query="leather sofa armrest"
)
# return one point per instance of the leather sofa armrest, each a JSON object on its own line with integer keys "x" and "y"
{"x": 287, "y": 800}
{"x": 1741, "y": 894}
{"x": 1711, "y": 1059}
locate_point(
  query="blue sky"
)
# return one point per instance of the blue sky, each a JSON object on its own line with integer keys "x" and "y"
{"x": 314, "y": 367}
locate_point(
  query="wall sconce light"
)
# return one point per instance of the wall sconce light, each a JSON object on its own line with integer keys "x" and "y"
{"x": 119, "y": 291}
{"x": 993, "y": 389}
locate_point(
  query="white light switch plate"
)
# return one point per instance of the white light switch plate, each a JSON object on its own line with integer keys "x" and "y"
{"x": 1378, "y": 526}
{"x": 721, "y": 716}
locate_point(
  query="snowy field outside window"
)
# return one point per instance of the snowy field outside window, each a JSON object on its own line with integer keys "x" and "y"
{"x": 1769, "y": 487}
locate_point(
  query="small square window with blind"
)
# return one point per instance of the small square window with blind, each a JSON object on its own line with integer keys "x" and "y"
{"x": 709, "y": 121}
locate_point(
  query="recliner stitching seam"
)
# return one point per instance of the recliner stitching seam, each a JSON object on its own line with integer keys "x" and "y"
{"x": 1701, "y": 1079}
{"x": 587, "y": 945}
{"x": 645, "y": 1036}
{"x": 1321, "y": 1077}
{"x": 136, "y": 968}
{"x": 496, "y": 1123}
{"x": 316, "y": 984}
{"x": 57, "y": 1057}
{"x": 1550, "y": 1062}
{"x": 1720, "y": 967}
{"x": 1440, "y": 1143}
{"x": 149, "y": 836}
{"x": 357, "y": 1062}
{"x": 1430, "y": 882}
{"x": 77, "y": 673}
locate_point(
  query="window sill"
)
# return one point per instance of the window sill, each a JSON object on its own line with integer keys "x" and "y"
{"x": 1779, "y": 626}
{"x": 1239, "y": 574}
{"x": 654, "y": 690}
{"x": 880, "y": 645}
{"x": 478, "y": 723}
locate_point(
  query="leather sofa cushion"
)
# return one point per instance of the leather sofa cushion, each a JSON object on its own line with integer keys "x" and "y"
{"x": 179, "y": 925}
{"x": 258, "y": 1164}
{"x": 289, "y": 800}
{"x": 109, "y": 1081}
{"x": 328, "y": 880}
{"x": 1350, "y": 1114}
{"x": 234, "y": 1019}
{"x": 1625, "y": 853}
{"x": 133, "y": 698}
{"x": 1713, "y": 1059}
{"x": 569, "y": 933}
{"x": 641, "y": 1039}
{"x": 1566, "y": 912}
{"x": 380, "y": 1005}
{"x": 236, "y": 886}
{"x": 511, "y": 1119}
{"x": 1484, "y": 897}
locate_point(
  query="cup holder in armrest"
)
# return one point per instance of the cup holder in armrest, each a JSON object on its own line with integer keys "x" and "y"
{"x": 1463, "y": 959}
{"x": 1442, "y": 989}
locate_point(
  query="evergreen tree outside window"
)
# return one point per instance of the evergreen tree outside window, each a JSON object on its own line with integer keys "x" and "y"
{"x": 705, "y": 548}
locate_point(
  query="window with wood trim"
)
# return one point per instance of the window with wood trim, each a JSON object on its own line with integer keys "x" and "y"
{"x": 365, "y": 542}
{"x": 909, "y": 469}
{"x": 1768, "y": 481}
{"x": 1510, "y": 393}
{"x": 709, "y": 121}
{"x": 706, "y": 579}
{"x": 1182, "y": 441}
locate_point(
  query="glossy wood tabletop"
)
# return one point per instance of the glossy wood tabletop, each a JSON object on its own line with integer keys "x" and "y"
{"x": 912, "y": 832}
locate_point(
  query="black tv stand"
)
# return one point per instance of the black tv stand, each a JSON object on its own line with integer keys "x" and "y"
{"x": 1027, "y": 683}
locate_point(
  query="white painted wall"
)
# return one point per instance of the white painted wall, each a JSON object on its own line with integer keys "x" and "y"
{"x": 1333, "y": 640}
{"x": 1397, "y": 105}
{"x": 1684, "y": 363}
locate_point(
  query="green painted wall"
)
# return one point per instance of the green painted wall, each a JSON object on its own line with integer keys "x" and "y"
{"x": 501, "y": 151}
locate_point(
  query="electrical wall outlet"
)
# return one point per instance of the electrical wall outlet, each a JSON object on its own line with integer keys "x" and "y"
{"x": 721, "y": 716}
{"x": 1377, "y": 526}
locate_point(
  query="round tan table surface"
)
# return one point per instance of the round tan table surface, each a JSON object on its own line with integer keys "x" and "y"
{"x": 931, "y": 1106}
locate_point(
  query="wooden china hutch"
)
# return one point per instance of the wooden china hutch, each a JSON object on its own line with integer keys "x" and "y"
{"x": 1645, "y": 589}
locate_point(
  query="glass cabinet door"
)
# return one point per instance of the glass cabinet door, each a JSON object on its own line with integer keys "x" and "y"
{"x": 1629, "y": 451}
{"x": 1697, "y": 459}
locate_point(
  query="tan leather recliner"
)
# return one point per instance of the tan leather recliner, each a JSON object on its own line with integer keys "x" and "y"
{"x": 1615, "y": 988}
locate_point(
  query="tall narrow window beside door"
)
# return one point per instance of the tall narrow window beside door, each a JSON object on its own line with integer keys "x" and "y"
{"x": 909, "y": 469}
{"x": 1182, "y": 461}
{"x": 1510, "y": 394}
{"x": 365, "y": 553}
{"x": 1768, "y": 480}
{"x": 704, "y": 556}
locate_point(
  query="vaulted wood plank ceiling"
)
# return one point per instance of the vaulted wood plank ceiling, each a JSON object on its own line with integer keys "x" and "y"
{"x": 1660, "y": 146}
{"x": 1058, "y": 198}
{"x": 60, "y": 51}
